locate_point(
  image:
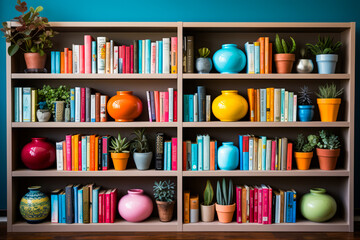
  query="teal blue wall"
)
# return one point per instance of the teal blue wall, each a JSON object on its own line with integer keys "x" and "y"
{"x": 186, "y": 11}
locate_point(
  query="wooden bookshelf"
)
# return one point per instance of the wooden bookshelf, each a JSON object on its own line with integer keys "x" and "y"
{"x": 339, "y": 183}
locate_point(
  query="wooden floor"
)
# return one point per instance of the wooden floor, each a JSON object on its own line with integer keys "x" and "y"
{"x": 165, "y": 236}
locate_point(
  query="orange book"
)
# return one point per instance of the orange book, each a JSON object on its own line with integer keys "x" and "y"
{"x": 76, "y": 152}
{"x": 212, "y": 155}
{"x": 70, "y": 62}
{"x": 255, "y": 105}
{"x": 66, "y": 59}
{"x": 64, "y": 155}
{"x": 62, "y": 62}
{"x": 266, "y": 55}
{"x": 73, "y": 152}
{"x": 92, "y": 152}
{"x": 243, "y": 205}
{"x": 251, "y": 97}
{"x": 271, "y": 104}
{"x": 186, "y": 207}
{"x": 270, "y": 57}
{"x": 261, "y": 40}
{"x": 96, "y": 153}
{"x": 268, "y": 104}
{"x": 258, "y": 105}
{"x": 184, "y": 156}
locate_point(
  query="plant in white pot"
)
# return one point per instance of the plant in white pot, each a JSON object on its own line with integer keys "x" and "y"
{"x": 208, "y": 207}
{"x": 140, "y": 148}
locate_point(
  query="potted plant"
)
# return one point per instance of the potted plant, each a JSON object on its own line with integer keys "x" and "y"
{"x": 328, "y": 150}
{"x": 203, "y": 63}
{"x": 284, "y": 57}
{"x": 304, "y": 150}
{"x": 140, "y": 148}
{"x": 305, "y": 106}
{"x": 208, "y": 207}
{"x": 224, "y": 205}
{"x": 324, "y": 50}
{"x": 164, "y": 193}
{"x": 32, "y": 36}
{"x": 329, "y": 102}
{"x": 305, "y": 64}
{"x": 119, "y": 153}
{"x": 43, "y": 114}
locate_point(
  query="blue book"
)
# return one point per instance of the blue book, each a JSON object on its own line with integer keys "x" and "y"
{"x": 53, "y": 62}
{"x": 291, "y": 106}
{"x": 282, "y": 104}
{"x": 246, "y": 47}
{"x": 285, "y": 204}
{"x": 165, "y": 156}
{"x": 57, "y": 62}
{"x": 257, "y": 57}
{"x": 76, "y": 211}
{"x": 216, "y": 156}
{"x": 262, "y": 105}
{"x": 16, "y": 104}
{"x": 95, "y": 205}
{"x": 72, "y": 104}
{"x": 191, "y": 108}
{"x": 63, "y": 208}
{"x": 289, "y": 206}
{"x": 140, "y": 56}
{"x": 246, "y": 154}
{"x": 60, "y": 208}
{"x": 201, "y": 95}
{"x": 93, "y": 57}
{"x": 26, "y": 104}
{"x": 241, "y": 151}
{"x": 147, "y": 55}
{"x": 194, "y": 155}
{"x": 83, "y": 153}
{"x": 168, "y": 156}
{"x": 160, "y": 56}
{"x": 263, "y": 153}
{"x": 55, "y": 206}
{"x": 80, "y": 206}
{"x": 294, "y": 206}
{"x": 200, "y": 158}
{"x": 186, "y": 108}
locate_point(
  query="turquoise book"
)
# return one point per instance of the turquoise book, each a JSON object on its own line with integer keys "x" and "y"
{"x": 57, "y": 62}
{"x": 246, "y": 47}
{"x": 83, "y": 153}
{"x": 206, "y": 154}
{"x": 55, "y": 206}
{"x": 200, "y": 157}
{"x": 140, "y": 56}
{"x": 263, "y": 105}
{"x": 16, "y": 104}
{"x": 241, "y": 151}
{"x": 165, "y": 156}
{"x": 160, "y": 56}
{"x": 60, "y": 208}
{"x": 186, "y": 108}
{"x": 93, "y": 57}
{"x": 191, "y": 108}
{"x": 257, "y": 57}
{"x": 80, "y": 206}
{"x": 76, "y": 211}
{"x": 282, "y": 105}
{"x": 72, "y": 104}
{"x": 95, "y": 205}
{"x": 246, "y": 152}
{"x": 53, "y": 62}
{"x": 26, "y": 104}
{"x": 263, "y": 153}
{"x": 216, "y": 156}
{"x": 291, "y": 106}
{"x": 168, "y": 152}
{"x": 147, "y": 56}
{"x": 194, "y": 156}
{"x": 63, "y": 208}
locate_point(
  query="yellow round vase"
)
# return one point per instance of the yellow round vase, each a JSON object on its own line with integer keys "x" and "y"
{"x": 229, "y": 106}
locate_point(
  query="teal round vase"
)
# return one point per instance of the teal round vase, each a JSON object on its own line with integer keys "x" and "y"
{"x": 228, "y": 156}
{"x": 229, "y": 59}
{"x": 35, "y": 205}
{"x": 317, "y": 206}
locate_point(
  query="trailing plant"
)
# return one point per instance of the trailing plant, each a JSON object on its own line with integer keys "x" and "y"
{"x": 306, "y": 144}
{"x": 204, "y": 52}
{"x": 140, "y": 143}
{"x": 164, "y": 191}
{"x": 328, "y": 141}
{"x": 119, "y": 145}
{"x": 33, "y": 33}
{"x": 208, "y": 194}
{"x": 224, "y": 194}
{"x": 51, "y": 95}
{"x": 329, "y": 91}
{"x": 304, "y": 96}
{"x": 282, "y": 46}
{"x": 324, "y": 45}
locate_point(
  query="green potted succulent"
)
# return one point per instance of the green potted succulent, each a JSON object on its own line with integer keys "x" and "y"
{"x": 329, "y": 102}
{"x": 208, "y": 207}
{"x": 225, "y": 205}
{"x": 43, "y": 113}
{"x": 304, "y": 147}
{"x": 164, "y": 194}
{"x": 139, "y": 146}
{"x": 119, "y": 152}
{"x": 31, "y": 35}
{"x": 285, "y": 55}
{"x": 203, "y": 63}
{"x": 324, "y": 50}
{"x": 305, "y": 64}
{"x": 328, "y": 150}
{"x": 305, "y": 106}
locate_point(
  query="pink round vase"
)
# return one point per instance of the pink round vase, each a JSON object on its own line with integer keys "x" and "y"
{"x": 135, "y": 206}
{"x": 38, "y": 154}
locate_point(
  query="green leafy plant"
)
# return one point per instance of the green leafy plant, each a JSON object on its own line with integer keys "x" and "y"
{"x": 164, "y": 191}
{"x": 51, "y": 95}
{"x": 304, "y": 53}
{"x": 204, "y": 52}
{"x": 329, "y": 91}
{"x": 328, "y": 141}
{"x": 305, "y": 96}
{"x": 140, "y": 143}
{"x": 306, "y": 144}
{"x": 33, "y": 33}
{"x": 119, "y": 145}
{"x": 208, "y": 194}
{"x": 324, "y": 45}
{"x": 224, "y": 194}
{"x": 282, "y": 46}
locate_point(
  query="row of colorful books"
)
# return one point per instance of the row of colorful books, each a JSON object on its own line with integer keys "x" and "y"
{"x": 197, "y": 107}
{"x": 25, "y": 104}
{"x": 259, "y": 56}
{"x": 102, "y": 56}
{"x": 170, "y": 154}
{"x": 272, "y": 105}
{"x": 83, "y": 204}
{"x": 162, "y": 106}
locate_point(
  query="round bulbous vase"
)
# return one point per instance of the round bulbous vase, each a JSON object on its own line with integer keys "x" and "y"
{"x": 203, "y": 65}
{"x": 229, "y": 59}
{"x": 306, "y": 113}
{"x": 38, "y": 154}
{"x": 34, "y": 205}
{"x": 317, "y": 206}
{"x": 229, "y": 106}
{"x": 228, "y": 156}
{"x": 124, "y": 107}
{"x": 326, "y": 63}
{"x": 305, "y": 66}
{"x": 135, "y": 206}
{"x": 43, "y": 115}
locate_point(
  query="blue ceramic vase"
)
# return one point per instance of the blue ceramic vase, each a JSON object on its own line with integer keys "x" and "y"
{"x": 326, "y": 63}
{"x": 35, "y": 205}
{"x": 229, "y": 59}
{"x": 305, "y": 113}
{"x": 228, "y": 156}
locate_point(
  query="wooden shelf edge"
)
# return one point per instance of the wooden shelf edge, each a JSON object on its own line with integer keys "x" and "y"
{"x": 342, "y": 124}
{"x": 92, "y": 124}
{"x": 292, "y": 173}
{"x": 244, "y": 76}
{"x": 35, "y": 76}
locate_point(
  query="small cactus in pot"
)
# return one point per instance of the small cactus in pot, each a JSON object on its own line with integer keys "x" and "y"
{"x": 203, "y": 63}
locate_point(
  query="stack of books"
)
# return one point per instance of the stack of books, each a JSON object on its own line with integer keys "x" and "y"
{"x": 162, "y": 106}
{"x": 259, "y": 56}
{"x": 166, "y": 153}
{"x": 197, "y": 106}
{"x": 191, "y": 208}
{"x": 25, "y": 104}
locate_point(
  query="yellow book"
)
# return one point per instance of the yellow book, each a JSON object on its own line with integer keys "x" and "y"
{"x": 88, "y": 153}
{"x": 96, "y": 153}
{"x": 279, "y": 156}
{"x": 271, "y": 104}
{"x": 186, "y": 207}
{"x": 259, "y": 154}
{"x": 76, "y": 152}
{"x": 33, "y": 105}
{"x": 268, "y": 104}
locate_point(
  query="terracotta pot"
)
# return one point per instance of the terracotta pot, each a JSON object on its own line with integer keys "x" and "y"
{"x": 303, "y": 160}
{"x": 165, "y": 210}
{"x": 329, "y": 108}
{"x": 124, "y": 107}
{"x": 225, "y": 213}
{"x": 207, "y": 213}
{"x": 284, "y": 62}
{"x": 120, "y": 160}
{"x": 38, "y": 154}
{"x": 327, "y": 158}
{"x": 35, "y": 60}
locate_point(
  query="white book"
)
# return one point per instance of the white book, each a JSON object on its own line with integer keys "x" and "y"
{"x": 171, "y": 104}
{"x": 149, "y": 104}
{"x": 277, "y": 209}
{"x": 208, "y": 107}
{"x": 295, "y": 108}
{"x": 111, "y": 56}
{"x": 143, "y": 57}
{"x": 255, "y": 156}
{"x": 166, "y": 55}
{"x": 20, "y": 104}
{"x": 286, "y": 102}
{"x": 153, "y": 58}
{"x": 92, "y": 108}
{"x": 77, "y": 47}
{"x": 77, "y": 103}
{"x": 157, "y": 58}
{"x": 268, "y": 154}
{"x": 88, "y": 151}
{"x": 259, "y": 154}
{"x": 251, "y": 153}
{"x": 101, "y": 53}
{"x": 277, "y": 104}
{"x": 75, "y": 55}
{"x": 59, "y": 156}
{"x": 247, "y": 203}
{"x": 206, "y": 154}
{"x": 196, "y": 110}
{"x": 26, "y": 98}
{"x": 116, "y": 59}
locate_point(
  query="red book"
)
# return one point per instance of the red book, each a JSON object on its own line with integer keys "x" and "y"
{"x": 113, "y": 205}
{"x": 238, "y": 204}
{"x": 251, "y": 207}
{"x": 184, "y": 156}
{"x": 70, "y": 64}
{"x": 273, "y": 155}
{"x": 260, "y": 204}
{"x": 105, "y": 153}
{"x": 68, "y": 152}
{"x": 256, "y": 192}
{"x": 123, "y": 56}
{"x": 82, "y": 58}
{"x": 246, "y": 146}
{"x": 166, "y": 106}
{"x": 270, "y": 204}
{"x": 289, "y": 156}
{"x": 131, "y": 58}
{"x": 97, "y": 107}
{"x": 174, "y": 154}
{"x": 265, "y": 205}
{"x": 82, "y": 105}
{"x": 157, "y": 105}
{"x": 101, "y": 206}
{"x": 87, "y": 46}
{"x": 212, "y": 155}
{"x": 80, "y": 157}
{"x": 175, "y": 106}
{"x": 127, "y": 61}
{"x": 66, "y": 60}
{"x": 107, "y": 206}
{"x": 120, "y": 67}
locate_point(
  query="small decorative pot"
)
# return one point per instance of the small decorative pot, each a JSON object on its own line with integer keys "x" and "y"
{"x": 38, "y": 154}
{"x": 207, "y": 213}
{"x": 317, "y": 206}
{"x": 35, "y": 60}
{"x": 43, "y": 115}
{"x": 327, "y": 158}
{"x": 135, "y": 206}
{"x": 203, "y": 65}
{"x": 225, "y": 213}
{"x": 303, "y": 160}
{"x": 284, "y": 62}
{"x": 59, "y": 107}
{"x": 165, "y": 210}
{"x": 67, "y": 114}
{"x": 329, "y": 108}
{"x": 34, "y": 205}
{"x": 142, "y": 160}
{"x": 305, "y": 113}
{"x": 326, "y": 63}
{"x": 305, "y": 66}
{"x": 229, "y": 106}
{"x": 120, "y": 160}
{"x": 228, "y": 156}
{"x": 124, "y": 107}
{"x": 229, "y": 59}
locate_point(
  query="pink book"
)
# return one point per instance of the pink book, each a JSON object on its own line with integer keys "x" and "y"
{"x": 80, "y": 156}
{"x": 273, "y": 155}
{"x": 82, "y": 105}
{"x": 238, "y": 204}
{"x": 123, "y": 56}
{"x": 173, "y": 54}
{"x": 161, "y": 108}
{"x": 265, "y": 202}
{"x": 101, "y": 206}
{"x": 175, "y": 106}
{"x": 251, "y": 205}
{"x": 260, "y": 204}
{"x": 127, "y": 61}
{"x": 68, "y": 152}
{"x": 131, "y": 58}
{"x": 105, "y": 153}
{"x": 270, "y": 204}
{"x": 174, "y": 154}
{"x": 113, "y": 205}
{"x": 166, "y": 107}
{"x": 66, "y": 60}
{"x": 107, "y": 206}
{"x": 256, "y": 204}
{"x": 153, "y": 58}
{"x": 87, "y": 44}
{"x": 82, "y": 58}
{"x": 116, "y": 59}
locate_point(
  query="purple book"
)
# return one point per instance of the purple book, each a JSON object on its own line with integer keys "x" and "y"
{"x": 152, "y": 103}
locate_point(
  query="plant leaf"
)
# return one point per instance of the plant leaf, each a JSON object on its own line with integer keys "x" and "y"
{"x": 13, "y": 49}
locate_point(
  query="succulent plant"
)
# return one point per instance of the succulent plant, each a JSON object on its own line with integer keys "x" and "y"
{"x": 329, "y": 91}
{"x": 324, "y": 45}
{"x": 328, "y": 141}
{"x": 306, "y": 144}
{"x": 204, "y": 52}
{"x": 140, "y": 143}
{"x": 305, "y": 96}
{"x": 224, "y": 194}
{"x": 282, "y": 46}
{"x": 208, "y": 194}
{"x": 304, "y": 53}
{"x": 119, "y": 145}
{"x": 164, "y": 191}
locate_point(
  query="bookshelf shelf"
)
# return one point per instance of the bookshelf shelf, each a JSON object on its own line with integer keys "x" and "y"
{"x": 291, "y": 76}
{"x": 339, "y": 124}
{"x": 93, "y": 124}
{"x": 39, "y": 76}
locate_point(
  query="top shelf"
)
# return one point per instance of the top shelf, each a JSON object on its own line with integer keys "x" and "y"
{"x": 290, "y": 76}
{"x": 35, "y": 76}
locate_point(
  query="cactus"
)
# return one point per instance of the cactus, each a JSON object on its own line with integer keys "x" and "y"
{"x": 204, "y": 52}
{"x": 208, "y": 194}
{"x": 224, "y": 195}
{"x": 282, "y": 46}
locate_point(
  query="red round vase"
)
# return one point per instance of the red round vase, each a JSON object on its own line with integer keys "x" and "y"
{"x": 124, "y": 106}
{"x": 38, "y": 154}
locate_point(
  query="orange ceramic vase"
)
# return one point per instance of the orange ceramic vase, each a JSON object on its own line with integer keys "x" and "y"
{"x": 329, "y": 108}
{"x": 303, "y": 160}
{"x": 124, "y": 107}
{"x": 284, "y": 62}
{"x": 225, "y": 213}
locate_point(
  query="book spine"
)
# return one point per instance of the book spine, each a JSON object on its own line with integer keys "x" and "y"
{"x": 206, "y": 152}
{"x": 174, "y": 154}
{"x": 93, "y": 57}
{"x": 194, "y": 156}
{"x": 168, "y": 157}
{"x": 54, "y": 208}
{"x": 16, "y": 104}
{"x": 263, "y": 153}
{"x": 116, "y": 59}
{"x": 161, "y": 108}
{"x": 190, "y": 54}
{"x": 208, "y": 108}
{"x": 191, "y": 108}
{"x": 157, "y": 57}
{"x": 212, "y": 155}
{"x": 257, "y": 57}
{"x": 105, "y": 152}
{"x": 75, "y": 56}
{"x": 241, "y": 151}
{"x": 268, "y": 154}
{"x": 166, "y": 107}
{"x": 62, "y": 62}
{"x": 127, "y": 59}
{"x": 153, "y": 58}
{"x": 289, "y": 156}
{"x": 262, "y": 55}
{"x": 57, "y": 62}
{"x": 76, "y": 206}
{"x": 195, "y": 107}
{"x": 92, "y": 108}
{"x": 87, "y": 104}
{"x": 140, "y": 56}
{"x": 245, "y": 153}
{"x": 68, "y": 153}
{"x": 86, "y": 205}
{"x": 174, "y": 55}
{"x": 97, "y": 107}
{"x": 66, "y": 59}
{"x": 295, "y": 108}
{"x": 143, "y": 53}
{"x": 82, "y": 104}
{"x": 95, "y": 205}
{"x": 270, "y": 205}
{"x": 171, "y": 104}
{"x": 200, "y": 142}
{"x": 101, "y": 206}
{"x": 53, "y": 62}
{"x": 165, "y": 155}
{"x": 34, "y": 103}
{"x": 251, "y": 153}
{"x": 59, "y": 156}
{"x": 256, "y": 190}
{"x": 166, "y": 55}
{"x": 136, "y": 56}
{"x": 152, "y": 106}
{"x": 272, "y": 104}
{"x": 260, "y": 205}
{"x": 157, "y": 105}
{"x": 147, "y": 56}
{"x": 282, "y": 104}
{"x": 291, "y": 106}
{"x": 77, "y": 103}
{"x": 159, "y": 153}
{"x": 194, "y": 209}
{"x": 82, "y": 59}
{"x": 63, "y": 208}
{"x": 26, "y": 104}
{"x": 107, "y": 57}
{"x": 131, "y": 59}
{"x": 273, "y": 155}
{"x": 148, "y": 98}
{"x": 263, "y": 105}
{"x": 103, "y": 103}
{"x": 238, "y": 204}
{"x": 87, "y": 48}
{"x": 113, "y": 206}
{"x": 80, "y": 206}
{"x": 186, "y": 207}
{"x": 251, "y": 98}
{"x": 267, "y": 104}
{"x": 72, "y": 104}
{"x": 111, "y": 56}
{"x": 83, "y": 153}
{"x": 251, "y": 63}
{"x": 201, "y": 94}
{"x": 69, "y": 204}
{"x": 277, "y": 105}
{"x": 251, "y": 205}
{"x": 101, "y": 54}
{"x": 286, "y": 110}
{"x": 160, "y": 57}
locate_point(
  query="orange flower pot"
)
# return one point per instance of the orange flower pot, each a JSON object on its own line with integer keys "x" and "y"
{"x": 303, "y": 160}
{"x": 225, "y": 213}
{"x": 284, "y": 62}
{"x": 329, "y": 108}
{"x": 35, "y": 60}
{"x": 120, "y": 160}
{"x": 327, "y": 158}
{"x": 124, "y": 107}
